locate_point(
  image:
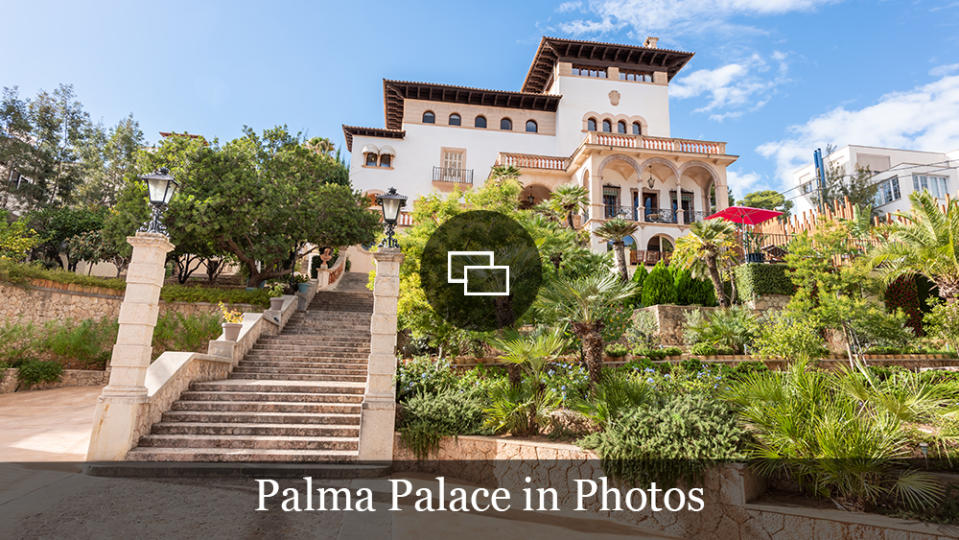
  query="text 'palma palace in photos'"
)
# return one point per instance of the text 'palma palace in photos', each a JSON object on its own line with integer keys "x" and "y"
{"x": 594, "y": 114}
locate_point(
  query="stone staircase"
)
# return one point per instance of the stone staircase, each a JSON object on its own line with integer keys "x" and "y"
{"x": 295, "y": 397}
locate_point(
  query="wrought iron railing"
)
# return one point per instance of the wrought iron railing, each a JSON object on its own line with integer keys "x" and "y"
{"x": 450, "y": 174}
{"x": 652, "y": 215}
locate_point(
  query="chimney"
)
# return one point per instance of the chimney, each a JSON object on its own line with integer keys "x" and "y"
{"x": 651, "y": 42}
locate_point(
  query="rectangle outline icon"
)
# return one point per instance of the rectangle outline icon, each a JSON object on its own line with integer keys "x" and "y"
{"x": 466, "y": 283}
{"x": 449, "y": 264}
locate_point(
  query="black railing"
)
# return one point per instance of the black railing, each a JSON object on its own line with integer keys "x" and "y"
{"x": 652, "y": 215}
{"x": 450, "y": 174}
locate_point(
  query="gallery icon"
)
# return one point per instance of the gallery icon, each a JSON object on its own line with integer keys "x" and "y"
{"x": 478, "y": 273}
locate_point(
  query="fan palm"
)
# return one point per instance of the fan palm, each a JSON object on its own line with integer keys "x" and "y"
{"x": 708, "y": 244}
{"x": 615, "y": 230}
{"x": 585, "y": 303}
{"x": 925, "y": 242}
{"x": 568, "y": 199}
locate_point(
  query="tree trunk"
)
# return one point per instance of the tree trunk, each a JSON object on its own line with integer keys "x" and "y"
{"x": 514, "y": 373}
{"x": 717, "y": 281}
{"x": 620, "y": 251}
{"x": 591, "y": 334}
{"x": 569, "y": 219}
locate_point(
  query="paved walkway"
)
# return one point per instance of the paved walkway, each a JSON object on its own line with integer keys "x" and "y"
{"x": 47, "y": 425}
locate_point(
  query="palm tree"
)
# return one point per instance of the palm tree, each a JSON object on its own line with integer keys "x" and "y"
{"x": 568, "y": 199}
{"x": 926, "y": 242}
{"x": 706, "y": 248}
{"x": 585, "y": 303}
{"x": 615, "y": 230}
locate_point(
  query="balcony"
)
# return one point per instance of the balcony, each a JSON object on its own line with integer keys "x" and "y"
{"x": 452, "y": 175}
{"x": 653, "y": 215}
{"x": 532, "y": 161}
{"x": 645, "y": 142}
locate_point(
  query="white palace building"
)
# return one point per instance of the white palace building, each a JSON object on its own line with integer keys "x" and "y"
{"x": 594, "y": 114}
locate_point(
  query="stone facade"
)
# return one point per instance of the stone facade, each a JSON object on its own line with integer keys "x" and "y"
{"x": 670, "y": 320}
{"x": 733, "y": 507}
{"x": 40, "y": 302}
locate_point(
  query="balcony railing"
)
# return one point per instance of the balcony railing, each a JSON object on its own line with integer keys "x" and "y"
{"x": 645, "y": 142}
{"x": 450, "y": 174}
{"x": 653, "y": 215}
{"x": 532, "y": 161}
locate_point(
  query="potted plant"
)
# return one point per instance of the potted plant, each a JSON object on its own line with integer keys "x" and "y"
{"x": 302, "y": 283}
{"x": 232, "y": 322}
{"x": 275, "y": 292}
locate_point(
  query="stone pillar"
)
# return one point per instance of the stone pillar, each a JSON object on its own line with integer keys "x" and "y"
{"x": 122, "y": 401}
{"x": 379, "y": 401}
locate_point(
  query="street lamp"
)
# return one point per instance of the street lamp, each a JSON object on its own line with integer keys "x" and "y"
{"x": 161, "y": 187}
{"x": 390, "y": 204}
{"x": 650, "y": 181}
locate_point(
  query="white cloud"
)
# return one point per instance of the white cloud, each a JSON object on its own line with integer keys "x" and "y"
{"x": 677, "y": 16}
{"x": 733, "y": 89}
{"x": 567, "y": 7}
{"x": 923, "y": 118}
{"x": 945, "y": 69}
{"x": 741, "y": 183}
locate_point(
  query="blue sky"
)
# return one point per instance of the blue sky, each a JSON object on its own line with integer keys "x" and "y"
{"x": 773, "y": 78}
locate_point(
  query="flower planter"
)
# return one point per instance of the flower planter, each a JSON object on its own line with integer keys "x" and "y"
{"x": 303, "y": 287}
{"x": 231, "y": 331}
{"x": 276, "y": 303}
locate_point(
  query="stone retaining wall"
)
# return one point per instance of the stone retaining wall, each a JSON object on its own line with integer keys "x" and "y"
{"x": 734, "y": 508}
{"x": 44, "y": 301}
{"x": 70, "y": 377}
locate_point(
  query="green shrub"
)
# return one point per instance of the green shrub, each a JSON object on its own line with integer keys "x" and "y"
{"x": 942, "y": 323}
{"x": 639, "y": 278}
{"x": 641, "y": 333}
{"x": 520, "y": 410}
{"x": 88, "y": 343}
{"x": 569, "y": 380}
{"x": 18, "y": 343}
{"x": 189, "y": 333}
{"x": 426, "y": 418}
{"x": 683, "y": 282}
{"x": 423, "y": 375}
{"x": 731, "y": 329}
{"x": 12, "y": 272}
{"x": 174, "y": 292}
{"x": 657, "y": 354}
{"x": 36, "y": 371}
{"x": 659, "y": 287}
{"x": 790, "y": 336}
{"x": 703, "y": 349}
{"x": 673, "y": 437}
{"x": 754, "y": 280}
{"x": 616, "y": 394}
{"x": 616, "y": 350}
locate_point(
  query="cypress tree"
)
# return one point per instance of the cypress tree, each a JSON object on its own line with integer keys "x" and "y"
{"x": 659, "y": 286}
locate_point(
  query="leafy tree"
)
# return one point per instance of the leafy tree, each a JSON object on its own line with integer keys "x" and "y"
{"x": 567, "y": 200}
{"x": 925, "y": 243}
{"x": 770, "y": 200}
{"x": 40, "y": 139}
{"x": 58, "y": 226}
{"x": 615, "y": 230}
{"x": 16, "y": 239}
{"x": 659, "y": 287}
{"x": 586, "y": 304}
{"x": 708, "y": 251}
{"x": 107, "y": 159}
{"x": 685, "y": 287}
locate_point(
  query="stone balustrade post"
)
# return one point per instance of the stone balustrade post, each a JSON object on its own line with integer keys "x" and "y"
{"x": 121, "y": 403}
{"x": 379, "y": 400}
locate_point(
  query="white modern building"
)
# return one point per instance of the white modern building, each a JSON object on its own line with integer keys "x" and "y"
{"x": 594, "y": 114}
{"x": 895, "y": 172}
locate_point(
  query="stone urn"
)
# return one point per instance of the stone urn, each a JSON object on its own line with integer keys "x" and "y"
{"x": 325, "y": 257}
{"x": 231, "y": 330}
{"x": 276, "y": 303}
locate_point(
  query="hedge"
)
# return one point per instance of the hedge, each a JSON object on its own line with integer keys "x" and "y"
{"x": 755, "y": 279}
{"x": 18, "y": 273}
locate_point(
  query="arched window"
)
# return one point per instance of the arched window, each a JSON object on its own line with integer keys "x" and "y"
{"x": 506, "y": 124}
{"x": 637, "y": 129}
{"x": 455, "y": 119}
{"x": 621, "y": 127}
{"x": 591, "y": 124}
{"x": 480, "y": 122}
{"x": 531, "y": 126}
{"x": 371, "y": 159}
{"x": 386, "y": 160}
{"x": 607, "y": 126}
{"x": 429, "y": 117}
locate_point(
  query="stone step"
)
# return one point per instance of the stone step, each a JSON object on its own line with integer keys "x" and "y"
{"x": 249, "y": 442}
{"x": 249, "y": 455}
{"x": 267, "y": 407}
{"x": 261, "y": 417}
{"x": 319, "y": 339}
{"x": 277, "y": 386}
{"x": 305, "y": 349}
{"x": 297, "y": 377}
{"x": 303, "y": 369}
{"x": 279, "y": 397}
{"x": 332, "y": 469}
{"x": 258, "y": 429}
{"x": 349, "y": 358}
{"x": 349, "y": 363}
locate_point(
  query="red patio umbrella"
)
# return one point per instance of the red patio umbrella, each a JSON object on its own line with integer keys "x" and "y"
{"x": 745, "y": 215}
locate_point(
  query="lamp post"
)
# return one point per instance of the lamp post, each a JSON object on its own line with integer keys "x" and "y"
{"x": 390, "y": 204}
{"x": 161, "y": 187}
